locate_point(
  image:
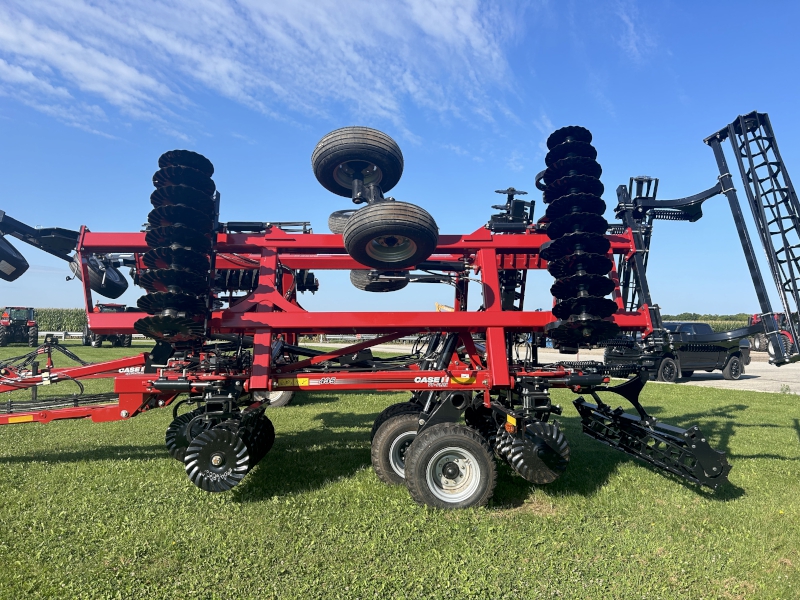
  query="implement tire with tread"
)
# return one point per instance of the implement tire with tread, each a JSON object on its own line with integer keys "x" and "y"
{"x": 391, "y": 235}
{"x": 338, "y": 220}
{"x": 402, "y": 408}
{"x": 450, "y": 466}
{"x": 361, "y": 280}
{"x": 33, "y": 337}
{"x": 390, "y": 444}
{"x": 344, "y": 151}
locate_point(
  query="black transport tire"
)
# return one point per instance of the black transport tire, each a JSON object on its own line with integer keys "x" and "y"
{"x": 771, "y": 348}
{"x": 279, "y": 399}
{"x": 733, "y": 369}
{"x": 668, "y": 371}
{"x": 33, "y": 337}
{"x": 361, "y": 280}
{"x": 96, "y": 341}
{"x": 455, "y": 450}
{"x": 402, "y": 408}
{"x": 390, "y": 444}
{"x": 345, "y": 150}
{"x": 126, "y": 340}
{"x": 12, "y": 263}
{"x": 687, "y": 374}
{"x": 87, "y": 336}
{"x": 114, "y": 285}
{"x": 391, "y": 235}
{"x": 337, "y": 220}
{"x": 4, "y": 335}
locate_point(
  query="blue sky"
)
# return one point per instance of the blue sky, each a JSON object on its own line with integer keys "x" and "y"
{"x": 91, "y": 93}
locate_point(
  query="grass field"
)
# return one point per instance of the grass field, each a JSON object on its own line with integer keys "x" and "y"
{"x": 101, "y": 511}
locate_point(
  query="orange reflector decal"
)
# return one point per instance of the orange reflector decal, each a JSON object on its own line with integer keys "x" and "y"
{"x": 22, "y": 419}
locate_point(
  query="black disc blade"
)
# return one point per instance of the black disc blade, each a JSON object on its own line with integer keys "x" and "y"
{"x": 173, "y": 195}
{"x": 177, "y": 259}
{"x": 169, "y": 329}
{"x": 592, "y": 285}
{"x": 167, "y": 280}
{"x": 577, "y": 223}
{"x": 158, "y": 302}
{"x": 573, "y": 243}
{"x": 542, "y": 455}
{"x": 573, "y": 165}
{"x": 575, "y": 309}
{"x": 588, "y": 331}
{"x": 574, "y": 184}
{"x": 576, "y": 132}
{"x": 568, "y": 149}
{"x": 166, "y": 216}
{"x": 179, "y": 236}
{"x": 572, "y": 203}
{"x": 583, "y": 262}
{"x": 184, "y": 176}
{"x": 186, "y": 158}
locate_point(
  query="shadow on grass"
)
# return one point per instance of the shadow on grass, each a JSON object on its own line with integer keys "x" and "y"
{"x": 94, "y": 454}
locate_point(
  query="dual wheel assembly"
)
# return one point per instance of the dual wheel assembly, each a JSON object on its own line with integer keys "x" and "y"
{"x": 452, "y": 465}
{"x": 386, "y": 235}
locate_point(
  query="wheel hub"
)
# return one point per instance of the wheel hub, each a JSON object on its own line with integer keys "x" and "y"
{"x": 453, "y": 474}
{"x": 391, "y": 248}
{"x": 218, "y": 459}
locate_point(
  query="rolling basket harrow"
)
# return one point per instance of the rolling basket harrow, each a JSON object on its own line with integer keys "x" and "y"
{"x": 221, "y": 303}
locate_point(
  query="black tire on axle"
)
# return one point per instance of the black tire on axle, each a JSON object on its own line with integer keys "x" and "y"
{"x": 450, "y": 466}
{"x": 668, "y": 370}
{"x": 342, "y": 152}
{"x": 391, "y": 235}
{"x": 338, "y": 220}
{"x": 33, "y": 337}
{"x": 4, "y": 335}
{"x": 112, "y": 286}
{"x": 734, "y": 368}
{"x": 402, "y": 408}
{"x": 389, "y": 446}
{"x": 361, "y": 280}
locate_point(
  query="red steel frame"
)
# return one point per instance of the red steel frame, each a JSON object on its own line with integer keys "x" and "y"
{"x": 267, "y": 313}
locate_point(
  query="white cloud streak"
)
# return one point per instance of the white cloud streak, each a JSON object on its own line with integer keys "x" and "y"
{"x": 78, "y": 59}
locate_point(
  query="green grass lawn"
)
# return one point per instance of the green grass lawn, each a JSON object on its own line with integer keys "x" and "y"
{"x": 101, "y": 511}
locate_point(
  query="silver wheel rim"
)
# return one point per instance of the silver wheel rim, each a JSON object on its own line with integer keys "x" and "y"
{"x": 391, "y": 248}
{"x": 460, "y": 487}
{"x": 397, "y": 452}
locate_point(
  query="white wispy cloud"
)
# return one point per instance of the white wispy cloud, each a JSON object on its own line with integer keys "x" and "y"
{"x": 76, "y": 60}
{"x": 635, "y": 40}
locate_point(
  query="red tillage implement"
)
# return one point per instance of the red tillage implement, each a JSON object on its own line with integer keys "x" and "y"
{"x": 222, "y": 305}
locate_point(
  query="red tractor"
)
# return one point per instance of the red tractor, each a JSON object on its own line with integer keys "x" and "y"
{"x": 760, "y": 343}
{"x": 18, "y": 325}
{"x": 95, "y": 340}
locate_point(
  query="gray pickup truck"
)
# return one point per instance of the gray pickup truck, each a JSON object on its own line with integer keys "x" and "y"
{"x": 689, "y": 347}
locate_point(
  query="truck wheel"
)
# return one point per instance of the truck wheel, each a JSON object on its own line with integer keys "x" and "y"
{"x": 390, "y": 235}
{"x": 402, "y": 408}
{"x": 33, "y": 337}
{"x": 734, "y": 369}
{"x": 450, "y": 466}
{"x": 4, "y": 335}
{"x": 337, "y": 220}
{"x": 389, "y": 446}
{"x": 361, "y": 280}
{"x": 343, "y": 152}
{"x": 668, "y": 370}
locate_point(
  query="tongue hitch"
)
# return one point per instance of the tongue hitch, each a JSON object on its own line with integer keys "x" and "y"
{"x": 683, "y": 452}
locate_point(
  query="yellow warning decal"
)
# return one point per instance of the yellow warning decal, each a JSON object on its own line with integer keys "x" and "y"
{"x": 23, "y": 419}
{"x": 291, "y": 382}
{"x": 464, "y": 379}
{"x": 511, "y": 420}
